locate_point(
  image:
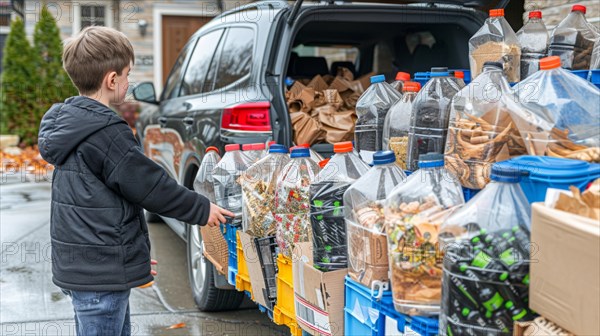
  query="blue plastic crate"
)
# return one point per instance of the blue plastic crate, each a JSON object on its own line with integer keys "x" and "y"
{"x": 360, "y": 315}
{"x": 581, "y": 73}
{"x": 595, "y": 77}
{"x": 390, "y": 319}
{"x": 541, "y": 172}
{"x": 230, "y": 232}
{"x": 265, "y": 310}
{"x": 469, "y": 193}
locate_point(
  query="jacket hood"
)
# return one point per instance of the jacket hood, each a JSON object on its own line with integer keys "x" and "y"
{"x": 67, "y": 124}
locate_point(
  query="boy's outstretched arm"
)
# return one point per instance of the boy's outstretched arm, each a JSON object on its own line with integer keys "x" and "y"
{"x": 127, "y": 171}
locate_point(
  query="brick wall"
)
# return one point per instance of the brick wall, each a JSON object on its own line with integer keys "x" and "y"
{"x": 554, "y": 11}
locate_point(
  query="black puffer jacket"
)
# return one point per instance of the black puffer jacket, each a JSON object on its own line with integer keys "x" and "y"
{"x": 101, "y": 183}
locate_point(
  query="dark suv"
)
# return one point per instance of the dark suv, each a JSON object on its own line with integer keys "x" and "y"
{"x": 228, "y": 84}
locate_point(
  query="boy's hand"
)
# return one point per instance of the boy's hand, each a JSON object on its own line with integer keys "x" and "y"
{"x": 217, "y": 215}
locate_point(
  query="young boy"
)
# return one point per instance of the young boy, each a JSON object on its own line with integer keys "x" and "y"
{"x": 101, "y": 183}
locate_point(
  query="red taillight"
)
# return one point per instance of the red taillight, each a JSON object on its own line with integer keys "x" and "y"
{"x": 250, "y": 117}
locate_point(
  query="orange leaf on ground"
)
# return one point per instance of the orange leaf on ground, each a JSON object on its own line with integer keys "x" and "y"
{"x": 177, "y": 326}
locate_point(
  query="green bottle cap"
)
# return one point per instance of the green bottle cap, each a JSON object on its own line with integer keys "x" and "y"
{"x": 516, "y": 228}
{"x": 503, "y": 276}
{"x": 509, "y": 304}
{"x": 466, "y": 311}
{"x": 475, "y": 240}
{"x": 511, "y": 239}
{"x": 483, "y": 231}
{"x": 505, "y": 235}
{"x": 463, "y": 267}
{"x": 526, "y": 279}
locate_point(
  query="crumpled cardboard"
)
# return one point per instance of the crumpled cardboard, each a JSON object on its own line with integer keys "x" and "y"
{"x": 586, "y": 204}
{"x": 323, "y": 109}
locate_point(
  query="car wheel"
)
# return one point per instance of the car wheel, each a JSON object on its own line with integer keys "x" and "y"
{"x": 201, "y": 274}
{"x": 152, "y": 217}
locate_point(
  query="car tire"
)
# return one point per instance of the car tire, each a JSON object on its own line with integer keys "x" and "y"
{"x": 152, "y": 217}
{"x": 208, "y": 298}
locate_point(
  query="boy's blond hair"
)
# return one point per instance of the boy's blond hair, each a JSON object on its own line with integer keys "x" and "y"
{"x": 93, "y": 53}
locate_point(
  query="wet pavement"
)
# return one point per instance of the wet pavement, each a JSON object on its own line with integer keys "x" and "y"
{"x": 30, "y": 304}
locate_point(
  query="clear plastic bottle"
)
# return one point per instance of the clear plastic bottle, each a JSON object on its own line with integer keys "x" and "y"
{"x": 486, "y": 261}
{"x": 401, "y": 78}
{"x": 313, "y": 154}
{"x": 496, "y": 41}
{"x": 371, "y": 108}
{"x": 203, "y": 183}
{"x": 330, "y": 248}
{"x": 533, "y": 37}
{"x": 414, "y": 213}
{"x": 397, "y": 124}
{"x": 481, "y": 130}
{"x": 595, "y": 62}
{"x": 458, "y": 76}
{"x": 559, "y": 115}
{"x": 573, "y": 40}
{"x": 429, "y": 119}
{"x": 228, "y": 191}
{"x": 363, "y": 211}
{"x": 254, "y": 152}
{"x": 292, "y": 201}
{"x": 258, "y": 192}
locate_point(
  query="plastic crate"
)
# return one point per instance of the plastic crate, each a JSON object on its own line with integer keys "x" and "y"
{"x": 242, "y": 278}
{"x": 265, "y": 310}
{"x": 391, "y": 322}
{"x": 230, "y": 233}
{"x": 581, "y": 73}
{"x": 469, "y": 193}
{"x": 267, "y": 255}
{"x": 360, "y": 310}
{"x": 595, "y": 77}
{"x": 284, "y": 312}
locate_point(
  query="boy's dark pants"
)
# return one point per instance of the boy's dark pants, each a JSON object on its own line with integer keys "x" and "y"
{"x": 101, "y": 313}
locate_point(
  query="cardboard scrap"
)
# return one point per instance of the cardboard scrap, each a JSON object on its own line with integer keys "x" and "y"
{"x": 586, "y": 204}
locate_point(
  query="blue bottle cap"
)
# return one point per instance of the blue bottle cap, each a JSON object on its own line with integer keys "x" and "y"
{"x": 431, "y": 160}
{"x": 275, "y": 148}
{"x": 504, "y": 173}
{"x": 383, "y": 157}
{"x": 377, "y": 79}
{"x": 300, "y": 153}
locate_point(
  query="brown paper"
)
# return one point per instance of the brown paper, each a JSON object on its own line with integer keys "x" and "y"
{"x": 318, "y": 83}
{"x": 586, "y": 204}
{"x": 539, "y": 327}
{"x": 306, "y": 129}
{"x": 344, "y": 73}
{"x": 338, "y": 126}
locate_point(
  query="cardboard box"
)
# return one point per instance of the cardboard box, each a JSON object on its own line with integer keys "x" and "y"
{"x": 538, "y": 327}
{"x": 257, "y": 280}
{"x": 565, "y": 269}
{"x": 319, "y": 296}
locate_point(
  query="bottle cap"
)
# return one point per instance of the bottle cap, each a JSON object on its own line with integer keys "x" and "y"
{"x": 403, "y": 76}
{"x": 343, "y": 147}
{"x": 503, "y": 173}
{"x": 439, "y": 72}
{"x": 550, "y": 62}
{"x": 304, "y": 145}
{"x": 535, "y": 15}
{"x": 258, "y": 146}
{"x": 383, "y": 157}
{"x": 496, "y": 12}
{"x": 323, "y": 163}
{"x": 459, "y": 74}
{"x": 247, "y": 147}
{"x": 232, "y": 147}
{"x": 503, "y": 276}
{"x": 509, "y": 304}
{"x": 212, "y": 148}
{"x": 431, "y": 160}
{"x": 411, "y": 87}
{"x": 300, "y": 153}
{"x": 465, "y": 311}
{"x": 275, "y": 148}
{"x": 377, "y": 79}
{"x": 579, "y": 8}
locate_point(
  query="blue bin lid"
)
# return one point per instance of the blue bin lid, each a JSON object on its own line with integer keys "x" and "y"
{"x": 551, "y": 167}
